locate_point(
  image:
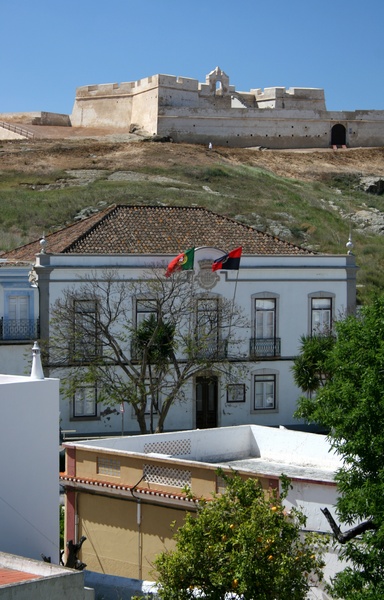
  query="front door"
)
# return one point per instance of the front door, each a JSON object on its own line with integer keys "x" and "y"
{"x": 206, "y": 402}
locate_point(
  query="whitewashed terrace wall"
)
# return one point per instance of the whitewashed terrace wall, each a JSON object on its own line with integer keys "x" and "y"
{"x": 29, "y": 466}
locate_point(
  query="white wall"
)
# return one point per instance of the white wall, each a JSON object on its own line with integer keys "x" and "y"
{"x": 29, "y": 466}
{"x": 291, "y": 278}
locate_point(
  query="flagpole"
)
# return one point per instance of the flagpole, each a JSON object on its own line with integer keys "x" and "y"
{"x": 193, "y": 300}
{"x": 233, "y": 305}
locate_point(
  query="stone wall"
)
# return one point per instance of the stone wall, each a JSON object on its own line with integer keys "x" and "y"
{"x": 189, "y": 111}
{"x": 48, "y": 118}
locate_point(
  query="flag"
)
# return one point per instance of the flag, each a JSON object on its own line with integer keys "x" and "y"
{"x": 182, "y": 262}
{"x": 228, "y": 262}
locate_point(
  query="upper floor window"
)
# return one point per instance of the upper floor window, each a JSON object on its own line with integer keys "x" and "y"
{"x": 85, "y": 402}
{"x": 208, "y": 325}
{"x": 265, "y": 341}
{"x": 265, "y": 318}
{"x": 86, "y": 342}
{"x": 321, "y": 315}
{"x": 18, "y": 322}
{"x": 145, "y": 308}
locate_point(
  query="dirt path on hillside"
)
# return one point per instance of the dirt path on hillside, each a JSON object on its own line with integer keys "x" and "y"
{"x": 113, "y": 150}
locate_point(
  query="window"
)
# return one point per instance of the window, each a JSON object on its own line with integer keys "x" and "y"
{"x": 144, "y": 309}
{"x": 84, "y": 402}
{"x": 265, "y": 343}
{"x": 321, "y": 315}
{"x": 17, "y": 323}
{"x": 265, "y": 320}
{"x": 208, "y": 326}
{"x": 86, "y": 343}
{"x": 151, "y": 400}
{"x": 265, "y": 392}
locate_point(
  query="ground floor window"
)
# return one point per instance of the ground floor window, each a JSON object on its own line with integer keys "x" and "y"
{"x": 85, "y": 402}
{"x": 264, "y": 392}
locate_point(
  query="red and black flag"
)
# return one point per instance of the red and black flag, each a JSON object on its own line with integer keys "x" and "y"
{"x": 228, "y": 262}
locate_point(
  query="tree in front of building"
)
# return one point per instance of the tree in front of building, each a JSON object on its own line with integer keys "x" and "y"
{"x": 141, "y": 341}
{"x": 241, "y": 544}
{"x": 350, "y": 405}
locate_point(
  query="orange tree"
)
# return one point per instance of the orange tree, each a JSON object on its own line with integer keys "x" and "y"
{"x": 242, "y": 544}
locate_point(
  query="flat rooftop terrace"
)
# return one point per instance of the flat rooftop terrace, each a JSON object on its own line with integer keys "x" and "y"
{"x": 245, "y": 448}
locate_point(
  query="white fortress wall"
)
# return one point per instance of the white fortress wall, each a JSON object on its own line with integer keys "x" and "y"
{"x": 245, "y": 127}
{"x": 105, "y": 105}
{"x": 144, "y": 112}
{"x": 214, "y": 111}
{"x": 270, "y": 127}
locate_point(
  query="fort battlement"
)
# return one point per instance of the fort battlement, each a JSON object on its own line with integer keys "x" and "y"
{"x": 213, "y": 111}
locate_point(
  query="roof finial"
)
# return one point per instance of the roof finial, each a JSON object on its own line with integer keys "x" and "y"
{"x": 37, "y": 369}
{"x": 43, "y": 244}
{"x": 349, "y": 244}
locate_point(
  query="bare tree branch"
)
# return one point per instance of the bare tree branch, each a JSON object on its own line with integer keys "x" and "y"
{"x": 94, "y": 333}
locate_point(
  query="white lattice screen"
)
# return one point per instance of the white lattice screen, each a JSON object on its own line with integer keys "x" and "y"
{"x": 170, "y": 447}
{"x": 165, "y": 476}
{"x": 108, "y": 466}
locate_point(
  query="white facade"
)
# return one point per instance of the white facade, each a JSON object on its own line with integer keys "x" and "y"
{"x": 19, "y": 313}
{"x": 29, "y": 465}
{"x": 293, "y": 283}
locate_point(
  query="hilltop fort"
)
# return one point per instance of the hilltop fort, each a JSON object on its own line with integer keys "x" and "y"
{"x": 185, "y": 110}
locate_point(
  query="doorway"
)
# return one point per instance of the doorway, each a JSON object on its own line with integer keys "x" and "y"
{"x": 206, "y": 402}
{"x": 338, "y": 135}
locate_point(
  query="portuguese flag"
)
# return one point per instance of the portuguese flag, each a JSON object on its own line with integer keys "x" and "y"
{"x": 228, "y": 262}
{"x": 182, "y": 262}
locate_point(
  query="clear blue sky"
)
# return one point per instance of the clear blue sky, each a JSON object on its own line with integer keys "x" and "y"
{"x": 48, "y": 48}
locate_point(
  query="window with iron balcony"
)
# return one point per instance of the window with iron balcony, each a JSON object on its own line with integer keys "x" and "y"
{"x": 86, "y": 344}
{"x": 265, "y": 343}
{"x": 209, "y": 342}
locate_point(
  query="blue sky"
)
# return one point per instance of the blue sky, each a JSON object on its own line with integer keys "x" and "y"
{"x": 48, "y": 48}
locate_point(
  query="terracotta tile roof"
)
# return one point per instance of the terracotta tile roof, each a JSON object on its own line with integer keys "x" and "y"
{"x": 126, "y": 229}
{"x": 9, "y": 576}
{"x": 108, "y": 485}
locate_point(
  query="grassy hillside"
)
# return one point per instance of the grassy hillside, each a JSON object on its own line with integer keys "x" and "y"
{"x": 317, "y": 213}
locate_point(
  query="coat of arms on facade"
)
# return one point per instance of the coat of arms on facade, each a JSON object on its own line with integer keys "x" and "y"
{"x": 206, "y": 278}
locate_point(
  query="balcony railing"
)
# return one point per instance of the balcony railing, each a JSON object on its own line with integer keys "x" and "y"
{"x": 262, "y": 348}
{"x": 19, "y": 329}
{"x": 212, "y": 350}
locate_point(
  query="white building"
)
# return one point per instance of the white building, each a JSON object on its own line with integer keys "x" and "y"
{"x": 19, "y": 316}
{"x": 136, "y": 486}
{"x": 29, "y": 465}
{"x": 23, "y": 578}
{"x": 283, "y": 290}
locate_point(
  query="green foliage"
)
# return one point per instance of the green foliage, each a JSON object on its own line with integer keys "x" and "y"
{"x": 309, "y": 369}
{"x": 351, "y": 407}
{"x": 156, "y": 337}
{"x": 242, "y": 542}
{"x": 38, "y": 202}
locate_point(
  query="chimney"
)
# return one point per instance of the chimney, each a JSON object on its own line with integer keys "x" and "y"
{"x": 37, "y": 369}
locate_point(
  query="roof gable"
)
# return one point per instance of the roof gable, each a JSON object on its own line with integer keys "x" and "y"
{"x": 123, "y": 229}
